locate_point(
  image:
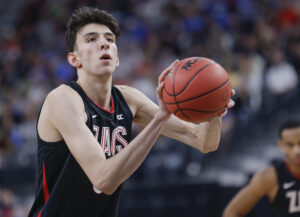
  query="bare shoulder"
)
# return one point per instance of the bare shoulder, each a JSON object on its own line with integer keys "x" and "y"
{"x": 64, "y": 100}
{"x": 267, "y": 175}
{"x": 265, "y": 182}
{"x": 61, "y": 104}
{"x": 63, "y": 95}
{"x": 269, "y": 178}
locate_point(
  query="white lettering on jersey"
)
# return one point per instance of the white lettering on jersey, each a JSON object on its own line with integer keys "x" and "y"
{"x": 116, "y": 136}
{"x": 105, "y": 140}
{"x": 294, "y": 197}
{"x": 96, "y": 129}
{"x": 108, "y": 143}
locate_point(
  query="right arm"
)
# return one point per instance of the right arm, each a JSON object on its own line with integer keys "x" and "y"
{"x": 65, "y": 114}
{"x": 262, "y": 184}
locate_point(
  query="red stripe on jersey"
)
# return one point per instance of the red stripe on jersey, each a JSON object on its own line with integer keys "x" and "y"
{"x": 45, "y": 187}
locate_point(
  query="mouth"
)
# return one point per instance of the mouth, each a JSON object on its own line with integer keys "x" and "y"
{"x": 105, "y": 57}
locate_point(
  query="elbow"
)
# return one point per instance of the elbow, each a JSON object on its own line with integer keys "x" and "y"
{"x": 105, "y": 186}
{"x": 206, "y": 149}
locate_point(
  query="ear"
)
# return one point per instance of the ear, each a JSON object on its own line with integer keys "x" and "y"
{"x": 280, "y": 144}
{"x": 73, "y": 60}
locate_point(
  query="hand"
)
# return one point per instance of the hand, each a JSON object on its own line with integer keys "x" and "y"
{"x": 230, "y": 104}
{"x": 161, "y": 84}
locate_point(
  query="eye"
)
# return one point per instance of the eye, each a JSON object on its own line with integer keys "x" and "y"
{"x": 110, "y": 39}
{"x": 289, "y": 144}
{"x": 91, "y": 39}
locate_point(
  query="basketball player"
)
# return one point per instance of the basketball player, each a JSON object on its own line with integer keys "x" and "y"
{"x": 85, "y": 151}
{"x": 280, "y": 182}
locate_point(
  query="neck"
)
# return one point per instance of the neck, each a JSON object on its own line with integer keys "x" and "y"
{"x": 98, "y": 89}
{"x": 294, "y": 168}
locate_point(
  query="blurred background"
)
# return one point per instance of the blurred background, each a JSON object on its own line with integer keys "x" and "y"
{"x": 256, "y": 41}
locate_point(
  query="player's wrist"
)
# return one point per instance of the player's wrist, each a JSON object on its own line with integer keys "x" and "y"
{"x": 162, "y": 116}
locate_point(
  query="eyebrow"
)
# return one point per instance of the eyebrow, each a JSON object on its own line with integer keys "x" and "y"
{"x": 97, "y": 33}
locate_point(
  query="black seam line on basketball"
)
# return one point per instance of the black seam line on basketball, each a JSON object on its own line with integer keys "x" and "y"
{"x": 181, "y": 91}
{"x": 183, "y": 114}
{"x": 171, "y": 103}
{"x": 188, "y": 82}
{"x": 193, "y": 77}
{"x": 203, "y": 111}
{"x": 175, "y": 95}
{"x": 174, "y": 85}
{"x": 169, "y": 94}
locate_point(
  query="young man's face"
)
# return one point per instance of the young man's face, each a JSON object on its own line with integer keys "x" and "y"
{"x": 96, "y": 49}
{"x": 290, "y": 144}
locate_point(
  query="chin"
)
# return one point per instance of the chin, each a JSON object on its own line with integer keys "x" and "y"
{"x": 106, "y": 72}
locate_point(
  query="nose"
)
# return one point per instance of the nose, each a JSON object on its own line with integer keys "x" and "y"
{"x": 103, "y": 44}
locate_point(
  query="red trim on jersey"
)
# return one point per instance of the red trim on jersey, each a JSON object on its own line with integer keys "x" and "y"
{"x": 45, "y": 187}
{"x": 296, "y": 176}
{"x": 111, "y": 102}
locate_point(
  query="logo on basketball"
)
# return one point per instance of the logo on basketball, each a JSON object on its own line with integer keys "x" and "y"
{"x": 189, "y": 64}
{"x": 225, "y": 96}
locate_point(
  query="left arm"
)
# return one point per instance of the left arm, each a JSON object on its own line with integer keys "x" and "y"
{"x": 204, "y": 136}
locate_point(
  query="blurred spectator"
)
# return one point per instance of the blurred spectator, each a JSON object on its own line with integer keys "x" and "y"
{"x": 281, "y": 76}
{"x": 7, "y": 200}
{"x": 6, "y": 122}
{"x": 281, "y": 81}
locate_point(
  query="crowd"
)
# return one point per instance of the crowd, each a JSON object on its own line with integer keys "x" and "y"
{"x": 256, "y": 41}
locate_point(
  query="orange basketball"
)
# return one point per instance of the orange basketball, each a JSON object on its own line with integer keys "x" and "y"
{"x": 197, "y": 89}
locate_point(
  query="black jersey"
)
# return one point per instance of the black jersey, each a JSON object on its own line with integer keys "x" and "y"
{"x": 287, "y": 200}
{"x": 63, "y": 189}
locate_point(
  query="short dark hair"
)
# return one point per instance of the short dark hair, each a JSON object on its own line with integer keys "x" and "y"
{"x": 288, "y": 125}
{"x": 86, "y": 15}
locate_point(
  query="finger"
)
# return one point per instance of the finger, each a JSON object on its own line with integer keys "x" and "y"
{"x": 223, "y": 113}
{"x": 166, "y": 71}
{"x": 232, "y": 92}
{"x": 230, "y": 104}
{"x": 160, "y": 87}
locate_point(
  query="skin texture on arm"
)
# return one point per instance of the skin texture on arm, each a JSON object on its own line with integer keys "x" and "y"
{"x": 262, "y": 184}
{"x": 63, "y": 117}
{"x": 204, "y": 136}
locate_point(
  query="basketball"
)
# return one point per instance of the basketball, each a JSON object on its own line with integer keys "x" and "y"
{"x": 196, "y": 89}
